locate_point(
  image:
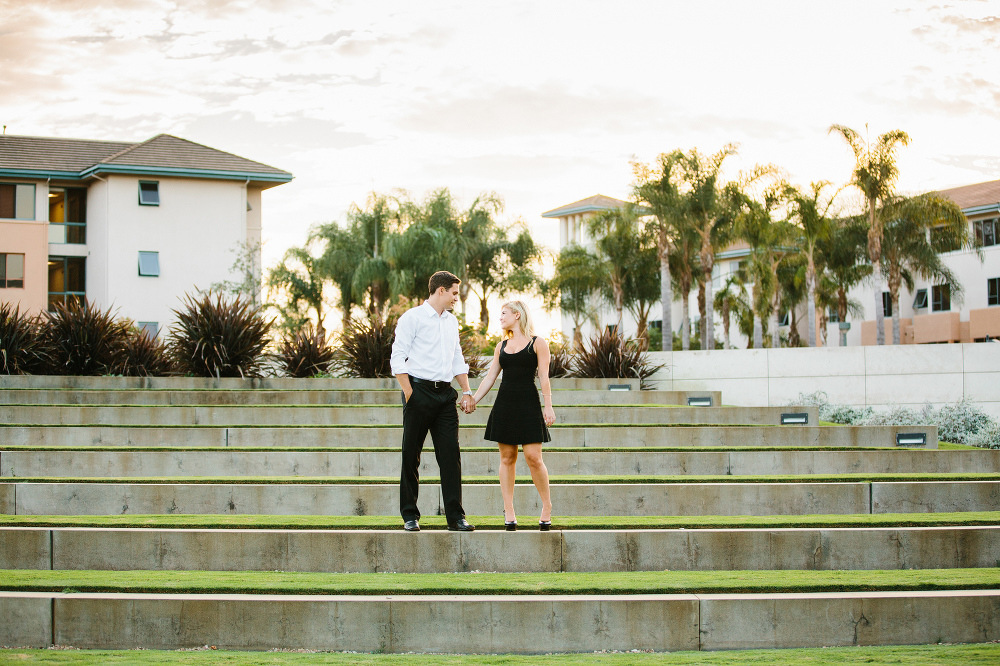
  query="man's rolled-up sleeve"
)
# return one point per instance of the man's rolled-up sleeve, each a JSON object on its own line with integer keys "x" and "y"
{"x": 401, "y": 345}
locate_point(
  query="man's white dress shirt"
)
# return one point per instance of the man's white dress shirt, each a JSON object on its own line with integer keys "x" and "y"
{"x": 427, "y": 345}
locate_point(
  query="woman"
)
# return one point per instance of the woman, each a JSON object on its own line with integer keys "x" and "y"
{"x": 517, "y": 418}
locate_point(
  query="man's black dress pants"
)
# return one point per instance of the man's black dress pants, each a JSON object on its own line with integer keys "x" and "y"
{"x": 433, "y": 410}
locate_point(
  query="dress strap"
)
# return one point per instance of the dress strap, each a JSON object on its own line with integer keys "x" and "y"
{"x": 503, "y": 346}
{"x": 532, "y": 343}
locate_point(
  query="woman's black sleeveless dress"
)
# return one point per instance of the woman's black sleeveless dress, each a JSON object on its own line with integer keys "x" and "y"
{"x": 516, "y": 416}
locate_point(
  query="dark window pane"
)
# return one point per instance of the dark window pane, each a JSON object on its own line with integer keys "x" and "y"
{"x": 149, "y": 194}
{"x": 920, "y": 300}
{"x": 76, "y": 234}
{"x": 76, "y": 206}
{"x": 7, "y": 193}
{"x": 989, "y": 232}
{"x": 886, "y": 304}
{"x": 15, "y": 284}
{"x": 3, "y": 266}
{"x": 76, "y": 277}
{"x": 53, "y": 299}
{"x": 993, "y": 291}
{"x": 941, "y": 298}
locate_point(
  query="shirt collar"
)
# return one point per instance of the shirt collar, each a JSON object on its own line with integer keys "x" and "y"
{"x": 429, "y": 311}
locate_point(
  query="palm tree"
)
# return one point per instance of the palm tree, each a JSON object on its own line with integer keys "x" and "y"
{"x": 577, "y": 276}
{"x": 843, "y": 254}
{"x": 810, "y": 215}
{"x": 300, "y": 278}
{"x": 875, "y": 173}
{"x": 916, "y": 230}
{"x": 683, "y": 269}
{"x": 731, "y": 299}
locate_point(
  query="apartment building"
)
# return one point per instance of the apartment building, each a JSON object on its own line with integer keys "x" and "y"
{"x": 131, "y": 226}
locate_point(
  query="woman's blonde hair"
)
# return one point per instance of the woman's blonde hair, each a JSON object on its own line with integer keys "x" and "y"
{"x": 518, "y": 307}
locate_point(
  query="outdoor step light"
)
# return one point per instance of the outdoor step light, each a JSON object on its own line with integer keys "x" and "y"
{"x": 911, "y": 439}
{"x": 619, "y": 387}
{"x": 700, "y": 401}
{"x": 795, "y": 418}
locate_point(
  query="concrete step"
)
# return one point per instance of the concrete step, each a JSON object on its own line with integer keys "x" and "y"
{"x": 272, "y": 383}
{"x": 222, "y": 462}
{"x": 327, "y": 397}
{"x": 371, "y": 551}
{"x": 377, "y": 415}
{"x": 486, "y": 624}
{"x": 609, "y": 436}
{"x": 578, "y": 499}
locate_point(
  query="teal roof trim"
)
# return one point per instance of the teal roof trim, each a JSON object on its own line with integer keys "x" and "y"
{"x": 574, "y": 211}
{"x": 184, "y": 173}
{"x": 732, "y": 254}
{"x": 39, "y": 173}
{"x": 979, "y": 210}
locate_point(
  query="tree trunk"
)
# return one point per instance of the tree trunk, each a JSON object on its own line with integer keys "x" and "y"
{"x": 842, "y": 314}
{"x": 758, "y": 332}
{"x": 666, "y": 300}
{"x": 708, "y": 331}
{"x": 894, "y": 299}
{"x": 701, "y": 314}
{"x": 775, "y": 338}
{"x": 725, "y": 325}
{"x": 685, "y": 323}
{"x": 811, "y": 301}
{"x": 484, "y": 313}
{"x": 879, "y": 312}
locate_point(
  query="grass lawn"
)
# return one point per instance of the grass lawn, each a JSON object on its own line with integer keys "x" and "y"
{"x": 986, "y": 654}
{"x": 256, "y": 521}
{"x": 602, "y": 583}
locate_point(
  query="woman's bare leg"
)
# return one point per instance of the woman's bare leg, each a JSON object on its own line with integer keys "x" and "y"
{"x": 508, "y": 458}
{"x": 540, "y": 475}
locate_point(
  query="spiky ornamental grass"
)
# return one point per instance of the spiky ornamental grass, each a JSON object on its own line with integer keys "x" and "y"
{"x": 559, "y": 362}
{"x": 83, "y": 340}
{"x": 23, "y": 350}
{"x": 143, "y": 355}
{"x": 609, "y": 355}
{"x": 365, "y": 347}
{"x": 305, "y": 353}
{"x": 218, "y": 337}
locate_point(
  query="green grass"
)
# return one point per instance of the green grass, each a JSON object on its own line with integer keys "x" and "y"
{"x": 985, "y": 654}
{"x": 492, "y": 480}
{"x": 599, "y": 583}
{"x": 215, "y": 521}
{"x": 949, "y": 446}
{"x": 465, "y": 449}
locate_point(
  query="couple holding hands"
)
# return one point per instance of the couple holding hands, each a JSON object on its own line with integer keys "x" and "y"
{"x": 426, "y": 357}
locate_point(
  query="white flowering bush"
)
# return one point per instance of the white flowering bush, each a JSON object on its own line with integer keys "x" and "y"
{"x": 962, "y": 422}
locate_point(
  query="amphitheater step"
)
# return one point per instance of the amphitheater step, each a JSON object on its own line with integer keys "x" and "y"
{"x": 119, "y": 462}
{"x": 282, "y": 497}
{"x": 376, "y": 415}
{"x": 605, "y": 436}
{"x": 328, "y": 397}
{"x": 528, "y": 550}
{"x": 486, "y": 624}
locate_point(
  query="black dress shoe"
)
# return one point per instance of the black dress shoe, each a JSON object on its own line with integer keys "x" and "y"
{"x": 411, "y": 526}
{"x": 461, "y": 525}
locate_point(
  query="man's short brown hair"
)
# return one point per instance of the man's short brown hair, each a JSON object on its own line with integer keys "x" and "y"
{"x": 442, "y": 279}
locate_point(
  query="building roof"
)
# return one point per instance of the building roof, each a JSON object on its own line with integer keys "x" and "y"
{"x": 985, "y": 196}
{"x": 594, "y": 203}
{"x": 163, "y": 155}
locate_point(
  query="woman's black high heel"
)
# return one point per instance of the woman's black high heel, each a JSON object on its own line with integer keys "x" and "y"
{"x": 544, "y": 525}
{"x": 510, "y": 526}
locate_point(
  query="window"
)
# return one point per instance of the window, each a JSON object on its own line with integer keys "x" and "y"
{"x": 987, "y": 232}
{"x": 150, "y": 328}
{"x": 149, "y": 193}
{"x": 67, "y": 280}
{"x": 833, "y": 316}
{"x": 612, "y": 329}
{"x": 17, "y": 201}
{"x": 655, "y": 325}
{"x": 782, "y": 318}
{"x": 886, "y": 304}
{"x": 67, "y": 215}
{"x": 940, "y": 297}
{"x": 920, "y": 300}
{"x": 149, "y": 264}
{"x": 11, "y": 271}
{"x": 993, "y": 291}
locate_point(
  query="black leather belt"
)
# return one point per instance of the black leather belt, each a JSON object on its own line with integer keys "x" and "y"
{"x": 429, "y": 382}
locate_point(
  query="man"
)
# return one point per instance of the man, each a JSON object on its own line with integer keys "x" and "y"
{"x": 426, "y": 356}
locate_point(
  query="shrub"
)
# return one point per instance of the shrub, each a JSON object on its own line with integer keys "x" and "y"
{"x": 305, "y": 353}
{"x": 608, "y": 354}
{"x": 472, "y": 350}
{"x": 83, "y": 340}
{"x": 23, "y": 350}
{"x": 559, "y": 362}
{"x": 897, "y": 416}
{"x": 961, "y": 421}
{"x": 987, "y": 437}
{"x": 143, "y": 355}
{"x": 365, "y": 347}
{"x": 216, "y": 337}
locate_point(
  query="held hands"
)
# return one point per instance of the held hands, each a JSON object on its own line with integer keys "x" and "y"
{"x": 549, "y": 415}
{"x": 468, "y": 404}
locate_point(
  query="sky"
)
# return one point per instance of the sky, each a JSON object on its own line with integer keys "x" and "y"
{"x": 544, "y": 103}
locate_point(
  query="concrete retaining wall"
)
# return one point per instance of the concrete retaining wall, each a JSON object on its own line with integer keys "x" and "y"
{"x": 908, "y": 375}
{"x": 383, "y": 415}
{"x": 682, "y": 499}
{"x": 375, "y": 551}
{"x": 386, "y": 463}
{"x": 391, "y": 436}
{"x": 487, "y": 624}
